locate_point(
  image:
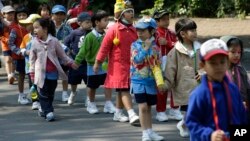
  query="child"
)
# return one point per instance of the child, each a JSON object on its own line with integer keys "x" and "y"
{"x": 25, "y": 48}
{"x": 115, "y": 47}
{"x": 216, "y": 103}
{"x": 182, "y": 66}
{"x": 236, "y": 71}
{"x": 8, "y": 13}
{"x": 62, "y": 30}
{"x": 17, "y": 33}
{"x": 165, "y": 39}
{"x": 74, "y": 42}
{"x": 45, "y": 68}
{"x": 88, "y": 51}
{"x": 143, "y": 85}
{"x": 44, "y": 10}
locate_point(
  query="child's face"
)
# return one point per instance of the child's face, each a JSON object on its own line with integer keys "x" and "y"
{"x": 59, "y": 17}
{"x": 9, "y": 16}
{"x": 189, "y": 35}
{"x": 45, "y": 13}
{"x": 21, "y": 16}
{"x": 216, "y": 67}
{"x": 163, "y": 21}
{"x": 143, "y": 34}
{"x": 129, "y": 16}
{"x": 39, "y": 31}
{"x": 234, "y": 54}
{"x": 86, "y": 25}
{"x": 103, "y": 23}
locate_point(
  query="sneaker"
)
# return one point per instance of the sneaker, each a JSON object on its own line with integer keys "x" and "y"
{"x": 40, "y": 112}
{"x": 86, "y": 101}
{"x": 35, "y": 105}
{"x": 145, "y": 137}
{"x": 22, "y": 99}
{"x": 134, "y": 120}
{"x": 161, "y": 116}
{"x": 50, "y": 116}
{"x": 71, "y": 98}
{"x": 183, "y": 132}
{"x": 91, "y": 108}
{"x": 120, "y": 117}
{"x": 65, "y": 96}
{"x": 175, "y": 114}
{"x": 109, "y": 108}
{"x": 155, "y": 137}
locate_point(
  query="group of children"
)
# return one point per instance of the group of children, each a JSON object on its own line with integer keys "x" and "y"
{"x": 205, "y": 78}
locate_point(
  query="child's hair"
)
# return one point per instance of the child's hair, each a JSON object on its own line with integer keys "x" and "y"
{"x": 158, "y": 14}
{"x": 98, "y": 16}
{"x": 42, "y": 6}
{"x": 184, "y": 24}
{"x": 235, "y": 41}
{"x": 22, "y": 9}
{"x": 48, "y": 24}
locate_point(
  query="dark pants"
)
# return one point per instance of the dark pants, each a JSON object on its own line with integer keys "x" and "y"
{"x": 46, "y": 95}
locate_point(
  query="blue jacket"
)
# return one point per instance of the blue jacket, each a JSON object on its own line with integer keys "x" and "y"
{"x": 199, "y": 117}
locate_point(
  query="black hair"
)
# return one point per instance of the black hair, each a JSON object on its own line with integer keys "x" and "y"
{"x": 22, "y": 9}
{"x": 184, "y": 24}
{"x": 235, "y": 41}
{"x": 158, "y": 14}
{"x": 48, "y": 24}
{"x": 98, "y": 16}
{"x": 42, "y": 6}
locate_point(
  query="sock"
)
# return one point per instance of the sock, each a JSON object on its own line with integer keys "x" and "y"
{"x": 144, "y": 132}
{"x": 150, "y": 130}
{"x": 131, "y": 112}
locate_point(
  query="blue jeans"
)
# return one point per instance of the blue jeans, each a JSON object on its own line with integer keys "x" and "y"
{"x": 46, "y": 95}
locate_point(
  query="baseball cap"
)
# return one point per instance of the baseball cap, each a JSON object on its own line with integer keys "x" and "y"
{"x": 7, "y": 9}
{"x": 146, "y": 23}
{"x": 30, "y": 19}
{"x": 83, "y": 16}
{"x": 159, "y": 13}
{"x": 213, "y": 47}
{"x": 58, "y": 8}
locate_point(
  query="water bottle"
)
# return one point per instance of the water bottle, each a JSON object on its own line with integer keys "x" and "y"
{"x": 33, "y": 93}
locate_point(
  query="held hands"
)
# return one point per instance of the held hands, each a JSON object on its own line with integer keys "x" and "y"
{"x": 218, "y": 135}
{"x": 147, "y": 44}
{"x": 96, "y": 67}
{"x": 163, "y": 89}
{"x": 162, "y": 41}
{"x": 74, "y": 66}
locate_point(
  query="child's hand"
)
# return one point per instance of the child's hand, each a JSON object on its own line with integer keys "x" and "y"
{"x": 197, "y": 77}
{"x": 218, "y": 135}
{"x": 74, "y": 66}
{"x": 27, "y": 52}
{"x": 162, "y": 41}
{"x": 96, "y": 68}
{"x": 147, "y": 44}
{"x": 162, "y": 89}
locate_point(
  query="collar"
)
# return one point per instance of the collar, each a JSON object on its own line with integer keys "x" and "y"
{"x": 97, "y": 34}
{"x": 47, "y": 40}
{"x": 122, "y": 26}
{"x": 151, "y": 39}
{"x": 181, "y": 48}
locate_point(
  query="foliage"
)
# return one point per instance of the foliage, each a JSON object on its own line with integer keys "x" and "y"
{"x": 158, "y": 4}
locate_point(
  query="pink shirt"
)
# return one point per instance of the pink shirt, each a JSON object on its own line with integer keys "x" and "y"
{"x": 118, "y": 73}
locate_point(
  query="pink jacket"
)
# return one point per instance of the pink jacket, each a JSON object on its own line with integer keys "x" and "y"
{"x": 39, "y": 53}
{"x": 118, "y": 74}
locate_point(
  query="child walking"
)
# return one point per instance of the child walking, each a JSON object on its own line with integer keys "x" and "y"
{"x": 88, "y": 52}
{"x": 45, "y": 68}
{"x": 182, "y": 67}
{"x": 116, "y": 47}
{"x": 236, "y": 71}
{"x": 74, "y": 41}
{"x": 165, "y": 39}
{"x": 145, "y": 51}
{"x": 216, "y": 103}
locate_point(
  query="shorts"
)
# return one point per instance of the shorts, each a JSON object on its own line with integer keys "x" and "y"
{"x": 146, "y": 98}
{"x": 65, "y": 68}
{"x": 183, "y": 108}
{"x": 75, "y": 77}
{"x": 94, "y": 81}
{"x": 7, "y": 53}
{"x": 20, "y": 65}
{"x": 122, "y": 89}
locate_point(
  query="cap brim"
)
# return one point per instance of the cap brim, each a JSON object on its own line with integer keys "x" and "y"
{"x": 141, "y": 26}
{"x": 57, "y": 11}
{"x": 25, "y": 22}
{"x": 215, "y": 52}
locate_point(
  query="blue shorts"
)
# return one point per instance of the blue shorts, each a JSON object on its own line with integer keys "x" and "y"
{"x": 7, "y": 53}
{"x": 146, "y": 98}
{"x": 75, "y": 77}
{"x": 20, "y": 65}
{"x": 94, "y": 81}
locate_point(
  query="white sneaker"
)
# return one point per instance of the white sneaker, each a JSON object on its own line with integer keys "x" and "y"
{"x": 155, "y": 137}
{"x": 134, "y": 120}
{"x": 22, "y": 99}
{"x": 71, "y": 98}
{"x": 120, "y": 117}
{"x": 183, "y": 132}
{"x": 91, "y": 108}
{"x": 175, "y": 114}
{"x": 35, "y": 105}
{"x": 145, "y": 137}
{"x": 109, "y": 108}
{"x": 161, "y": 116}
{"x": 86, "y": 101}
{"x": 50, "y": 116}
{"x": 65, "y": 96}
